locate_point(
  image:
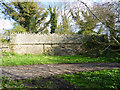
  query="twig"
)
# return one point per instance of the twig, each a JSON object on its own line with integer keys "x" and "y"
{"x": 106, "y": 48}
{"x": 116, "y": 40}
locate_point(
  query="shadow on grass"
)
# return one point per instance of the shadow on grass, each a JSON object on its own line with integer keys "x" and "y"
{"x": 39, "y": 82}
{"x": 108, "y": 79}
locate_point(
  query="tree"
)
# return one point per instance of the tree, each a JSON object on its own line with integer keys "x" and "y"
{"x": 18, "y": 28}
{"x": 109, "y": 20}
{"x": 86, "y": 22}
{"x": 64, "y": 27}
{"x": 28, "y": 14}
{"x": 107, "y": 15}
{"x": 53, "y": 19}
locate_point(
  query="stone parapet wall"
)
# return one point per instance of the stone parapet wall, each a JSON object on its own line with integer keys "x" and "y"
{"x": 45, "y": 38}
{"x": 53, "y": 44}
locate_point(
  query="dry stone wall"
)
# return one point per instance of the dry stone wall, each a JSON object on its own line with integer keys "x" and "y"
{"x": 53, "y": 44}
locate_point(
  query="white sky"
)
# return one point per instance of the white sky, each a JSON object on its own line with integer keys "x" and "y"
{"x": 6, "y": 24}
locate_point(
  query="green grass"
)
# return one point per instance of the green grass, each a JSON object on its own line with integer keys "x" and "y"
{"x": 13, "y": 59}
{"x": 96, "y": 79}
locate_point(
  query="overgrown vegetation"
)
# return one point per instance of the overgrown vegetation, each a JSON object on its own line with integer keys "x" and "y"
{"x": 13, "y": 59}
{"x": 97, "y": 79}
{"x": 98, "y": 46}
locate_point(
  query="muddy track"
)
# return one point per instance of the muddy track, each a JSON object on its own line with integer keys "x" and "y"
{"x": 47, "y": 70}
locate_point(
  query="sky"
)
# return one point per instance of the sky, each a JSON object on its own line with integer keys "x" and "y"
{"x": 7, "y": 24}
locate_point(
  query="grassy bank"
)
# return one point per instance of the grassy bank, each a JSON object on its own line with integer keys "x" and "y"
{"x": 97, "y": 79}
{"x": 13, "y": 59}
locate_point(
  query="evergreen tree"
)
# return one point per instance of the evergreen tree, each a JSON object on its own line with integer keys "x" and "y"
{"x": 53, "y": 19}
{"x": 28, "y": 14}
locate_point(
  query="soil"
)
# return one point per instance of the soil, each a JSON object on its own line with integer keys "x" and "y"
{"x": 47, "y": 71}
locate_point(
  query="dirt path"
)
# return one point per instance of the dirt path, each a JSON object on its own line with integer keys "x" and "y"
{"x": 46, "y": 70}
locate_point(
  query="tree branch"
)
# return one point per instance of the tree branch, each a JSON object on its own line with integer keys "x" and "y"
{"x": 97, "y": 17}
{"x": 116, "y": 40}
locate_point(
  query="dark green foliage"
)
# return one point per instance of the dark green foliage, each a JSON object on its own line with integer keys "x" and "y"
{"x": 8, "y": 83}
{"x": 53, "y": 19}
{"x": 28, "y": 14}
{"x": 5, "y": 40}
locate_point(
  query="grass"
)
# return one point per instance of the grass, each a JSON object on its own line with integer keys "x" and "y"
{"x": 96, "y": 79}
{"x": 13, "y": 59}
